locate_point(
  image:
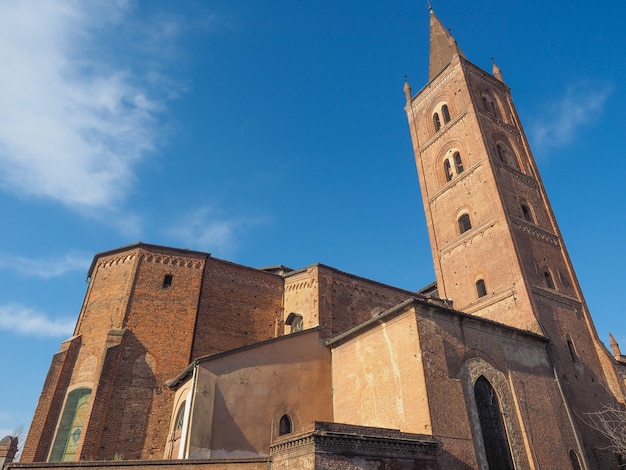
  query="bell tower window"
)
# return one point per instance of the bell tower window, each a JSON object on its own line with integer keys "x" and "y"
{"x": 447, "y": 170}
{"x": 436, "y": 122}
{"x": 528, "y": 216}
{"x": 458, "y": 164}
{"x": 549, "y": 281}
{"x": 446, "y": 113}
{"x": 481, "y": 288}
{"x": 464, "y": 223}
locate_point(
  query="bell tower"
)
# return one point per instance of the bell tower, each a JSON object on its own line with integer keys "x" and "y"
{"x": 496, "y": 246}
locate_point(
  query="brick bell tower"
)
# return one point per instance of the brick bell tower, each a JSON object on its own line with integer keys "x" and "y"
{"x": 497, "y": 249}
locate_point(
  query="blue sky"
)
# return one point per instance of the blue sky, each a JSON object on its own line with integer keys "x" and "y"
{"x": 274, "y": 133}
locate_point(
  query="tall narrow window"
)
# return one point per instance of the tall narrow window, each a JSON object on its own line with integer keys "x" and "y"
{"x": 285, "y": 426}
{"x": 573, "y": 456}
{"x": 481, "y": 288}
{"x": 446, "y": 113}
{"x": 528, "y": 216}
{"x": 501, "y": 153}
{"x": 464, "y": 223}
{"x": 447, "y": 170}
{"x": 167, "y": 281}
{"x": 492, "y": 427}
{"x": 436, "y": 122}
{"x": 175, "y": 438}
{"x": 572, "y": 350}
{"x": 71, "y": 426}
{"x": 549, "y": 281}
{"x": 458, "y": 163}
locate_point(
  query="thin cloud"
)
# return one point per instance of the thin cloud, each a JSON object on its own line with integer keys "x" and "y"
{"x": 45, "y": 268}
{"x": 73, "y": 122}
{"x": 28, "y": 322}
{"x": 580, "y": 105}
{"x": 208, "y": 229}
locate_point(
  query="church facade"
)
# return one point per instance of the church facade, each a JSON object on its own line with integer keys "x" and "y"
{"x": 182, "y": 359}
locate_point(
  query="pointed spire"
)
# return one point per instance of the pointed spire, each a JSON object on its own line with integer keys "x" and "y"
{"x": 408, "y": 94}
{"x": 495, "y": 71}
{"x": 614, "y": 346}
{"x": 443, "y": 47}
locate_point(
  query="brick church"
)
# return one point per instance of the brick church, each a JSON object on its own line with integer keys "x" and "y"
{"x": 182, "y": 359}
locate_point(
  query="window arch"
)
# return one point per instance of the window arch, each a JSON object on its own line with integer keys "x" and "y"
{"x": 285, "y": 426}
{"x": 445, "y": 113}
{"x": 436, "y": 122}
{"x": 573, "y": 456}
{"x": 492, "y": 428}
{"x": 180, "y": 417}
{"x": 489, "y": 105}
{"x": 71, "y": 425}
{"x": 453, "y": 164}
{"x": 464, "y": 223}
{"x": 481, "y": 288}
{"x": 295, "y": 321}
{"x": 547, "y": 275}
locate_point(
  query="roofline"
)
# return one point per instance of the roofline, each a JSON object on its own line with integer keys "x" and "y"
{"x": 417, "y": 301}
{"x": 355, "y": 276}
{"x": 137, "y": 245}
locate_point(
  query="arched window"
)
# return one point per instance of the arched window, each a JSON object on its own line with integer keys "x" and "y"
{"x": 446, "y": 113}
{"x": 71, "y": 425}
{"x": 548, "y": 278}
{"x": 180, "y": 417}
{"x": 285, "y": 426}
{"x": 447, "y": 169}
{"x": 492, "y": 427}
{"x": 528, "y": 215}
{"x": 464, "y": 223}
{"x": 481, "y": 288}
{"x": 486, "y": 104}
{"x": 167, "y": 281}
{"x": 436, "y": 122}
{"x": 501, "y": 153}
{"x": 573, "y": 456}
{"x": 572, "y": 349}
{"x": 295, "y": 321}
{"x": 458, "y": 163}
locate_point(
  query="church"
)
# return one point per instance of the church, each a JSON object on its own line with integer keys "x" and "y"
{"x": 180, "y": 359}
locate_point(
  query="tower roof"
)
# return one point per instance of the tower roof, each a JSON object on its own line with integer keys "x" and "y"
{"x": 443, "y": 47}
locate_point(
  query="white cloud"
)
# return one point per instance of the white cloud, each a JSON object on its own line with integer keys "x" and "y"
{"x": 208, "y": 229}
{"x": 26, "y": 321}
{"x": 45, "y": 268}
{"x": 73, "y": 121}
{"x": 561, "y": 119}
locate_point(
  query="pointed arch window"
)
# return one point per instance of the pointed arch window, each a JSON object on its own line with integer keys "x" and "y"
{"x": 285, "y": 426}
{"x": 464, "y": 223}
{"x": 445, "y": 113}
{"x": 481, "y": 288}
{"x": 71, "y": 426}
{"x": 436, "y": 122}
{"x": 492, "y": 427}
{"x": 573, "y": 456}
{"x": 548, "y": 278}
